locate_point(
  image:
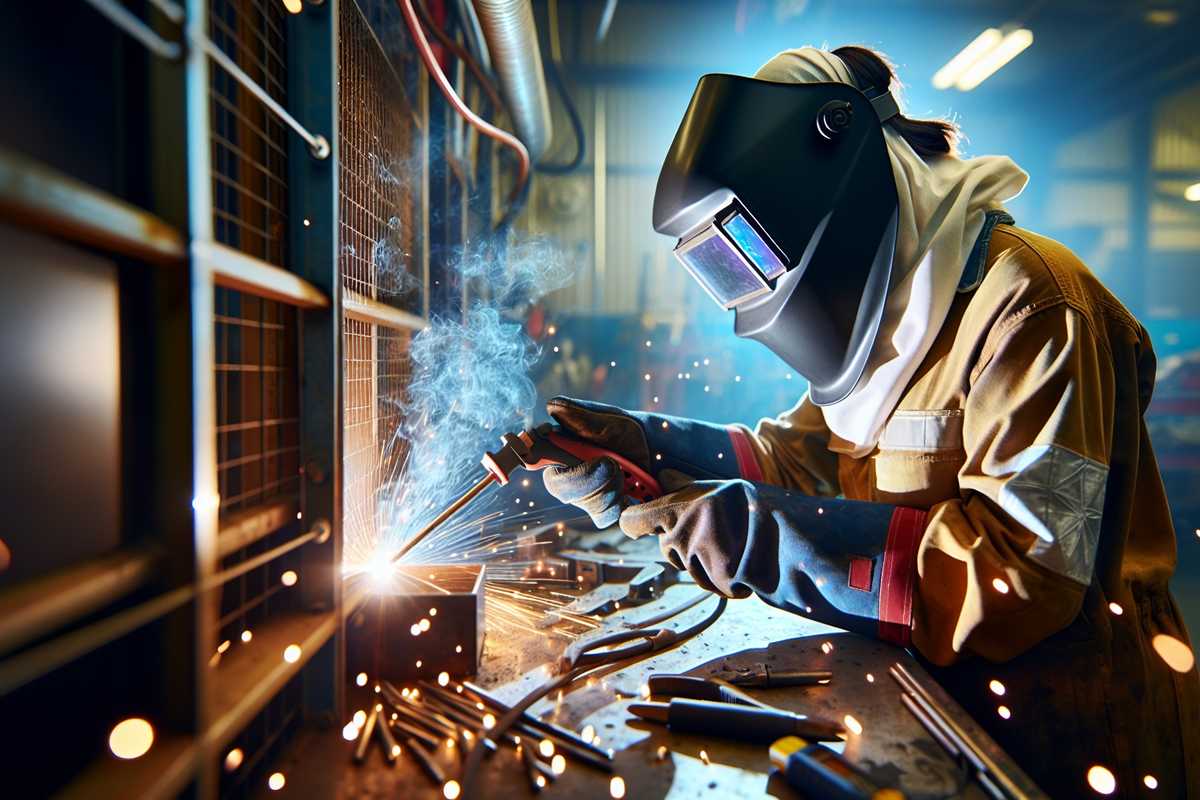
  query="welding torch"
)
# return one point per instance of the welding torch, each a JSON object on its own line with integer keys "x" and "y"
{"x": 547, "y": 445}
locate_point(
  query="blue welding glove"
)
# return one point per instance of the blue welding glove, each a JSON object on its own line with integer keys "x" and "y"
{"x": 843, "y": 562}
{"x": 674, "y": 450}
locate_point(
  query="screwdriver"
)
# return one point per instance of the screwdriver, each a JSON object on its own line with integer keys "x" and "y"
{"x": 535, "y": 449}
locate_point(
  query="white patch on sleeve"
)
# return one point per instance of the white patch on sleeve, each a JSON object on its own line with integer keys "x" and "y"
{"x": 1058, "y": 496}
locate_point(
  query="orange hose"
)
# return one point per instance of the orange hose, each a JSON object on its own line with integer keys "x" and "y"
{"x": 479, "y": 123}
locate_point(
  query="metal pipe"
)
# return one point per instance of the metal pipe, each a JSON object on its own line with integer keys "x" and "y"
{"x": 118, "y": 15}
{"x": 318, "y": 145}
{"x": 511, "y": 35}
{"x": 171, "y": 10}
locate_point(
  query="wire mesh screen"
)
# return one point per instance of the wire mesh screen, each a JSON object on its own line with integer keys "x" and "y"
{"x": 249, "y": 143}
{"x": 379, "y": 185}
{"x": 379, "y": 172}
{"x": 360, "y": 449}
{"x": 258, "y": 425}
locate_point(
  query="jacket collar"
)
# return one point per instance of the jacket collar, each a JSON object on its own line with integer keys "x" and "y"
{"x": 973, "y": 270}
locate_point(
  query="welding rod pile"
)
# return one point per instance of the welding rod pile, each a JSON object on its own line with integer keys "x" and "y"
{"x": 430, "y": 716}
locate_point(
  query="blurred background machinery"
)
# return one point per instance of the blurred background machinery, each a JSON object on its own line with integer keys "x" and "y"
{"x": 222, "y": 224}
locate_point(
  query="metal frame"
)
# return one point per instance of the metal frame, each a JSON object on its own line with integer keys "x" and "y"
{"x": 169, "y": 572}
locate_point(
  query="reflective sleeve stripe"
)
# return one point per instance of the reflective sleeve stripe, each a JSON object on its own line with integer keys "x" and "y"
{"x": 899, "y": 576}
{"x": 747, "y": 464}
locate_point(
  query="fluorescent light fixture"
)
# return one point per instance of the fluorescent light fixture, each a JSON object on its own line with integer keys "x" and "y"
{"x": 948, "y": 75}
{"x": 1010, "y": 46}
{"x": 1192, "y": 193}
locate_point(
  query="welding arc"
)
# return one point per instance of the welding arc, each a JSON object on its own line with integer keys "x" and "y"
{"x": 451, "y": 509}
{"x": 479, "y": 123}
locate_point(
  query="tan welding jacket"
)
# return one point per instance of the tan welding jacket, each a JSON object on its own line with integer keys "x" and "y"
{"x": 1048, "y": 543}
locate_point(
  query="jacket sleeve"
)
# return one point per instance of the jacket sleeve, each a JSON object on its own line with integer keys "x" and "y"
{"x": 1006, "y": 564}
{"x": 792, "y": 451}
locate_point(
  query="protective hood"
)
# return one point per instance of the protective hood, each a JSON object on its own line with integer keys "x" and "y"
{"x": 943, "y": 201}
{"x": 783, "y": 201}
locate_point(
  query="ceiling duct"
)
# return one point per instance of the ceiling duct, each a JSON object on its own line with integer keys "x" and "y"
{"x": 512, "y": 42}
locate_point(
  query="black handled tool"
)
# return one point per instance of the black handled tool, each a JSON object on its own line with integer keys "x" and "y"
{"x": 546, "y": 445}
{"x": 730, "y": 721}
{"x": 712, "y": 689}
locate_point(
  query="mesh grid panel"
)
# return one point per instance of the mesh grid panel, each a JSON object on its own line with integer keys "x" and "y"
{"x": 378, "y": 172}
{"x": 379, "y": 184}
{"x": 258, "y": 451}
{"x": 249, "y": 143}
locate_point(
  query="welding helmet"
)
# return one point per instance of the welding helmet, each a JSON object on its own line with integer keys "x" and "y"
{"x": 783, "y": 204}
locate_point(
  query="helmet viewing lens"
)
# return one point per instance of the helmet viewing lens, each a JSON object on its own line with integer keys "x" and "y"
{"x": 731, "y": 259}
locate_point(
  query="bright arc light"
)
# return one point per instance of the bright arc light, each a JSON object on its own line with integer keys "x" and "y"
{"x": 349, "y": 731}
{"x": 451, "y": 790}
{"x": 379, "y": 570}
{"x": 853, "y": 725}
{"x": 1101, "y": 780}
{"x": 1192, "y": 193}
{"x": 948, "y": 75}
{"x": 233, "y": 759}
{"x": 1150, "y": 781}
{"x": 1008, "y": 49}
{"x": 294, "y": 7}
{"x": 291, "y": 653}
{"x": 616, "y": 787}
{"x": 276, "y": 781}
{"x": 361, "y": 679}
{"x": 443, "y": 678}
{"x": 546, "y": 748}
{"x": 997, "y": 687}
{"x": 289, "y": 578}
{"x": 1000, "y": 585}
{"x": 131, "y": 738}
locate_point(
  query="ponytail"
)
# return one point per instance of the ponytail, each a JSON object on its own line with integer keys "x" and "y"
{"x": 872, "y": 70}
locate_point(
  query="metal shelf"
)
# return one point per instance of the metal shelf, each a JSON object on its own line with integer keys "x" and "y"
{"x": 248, "y": 676}
{"x": 41, "y": 606}
{"x": 39, "y": 197}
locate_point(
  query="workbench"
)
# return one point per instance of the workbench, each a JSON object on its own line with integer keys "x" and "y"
{"x": 892, "y": 747}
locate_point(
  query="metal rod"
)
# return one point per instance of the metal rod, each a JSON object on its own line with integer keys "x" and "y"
{"x": 959, "y": 736}
{"x": 318, "y": 145}
{"x": 118, "y": 15}
{"x": 171, "y": 10}
{"x": 550, "y": 728}
{"x": 365, "y": 736}
{"x": 356, "y": 306}
{"x": 470, "y": 495}
{"x": 234, "y": 269}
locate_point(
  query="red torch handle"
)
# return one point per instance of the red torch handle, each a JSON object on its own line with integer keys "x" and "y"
{"x": 639, "y": 484}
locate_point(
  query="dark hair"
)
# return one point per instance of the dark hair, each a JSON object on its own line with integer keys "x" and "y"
{"x": 872, "y": 70}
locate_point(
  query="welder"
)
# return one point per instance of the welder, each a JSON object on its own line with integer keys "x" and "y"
{"x": 969, "y": 473}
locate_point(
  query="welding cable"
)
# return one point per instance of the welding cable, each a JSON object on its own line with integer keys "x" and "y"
{"x": 516, "y": 198}
{"x": 560, "y": 86}
{"x": 461, "y": 53}
{"x": 580, "y": 660}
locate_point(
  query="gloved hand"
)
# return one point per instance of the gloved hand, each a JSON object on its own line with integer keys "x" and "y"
{"x": 847, "y": 563}
{"x": 672, "y": 449}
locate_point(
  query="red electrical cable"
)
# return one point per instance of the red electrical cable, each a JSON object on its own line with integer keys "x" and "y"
{"x": 483, "y": 126}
